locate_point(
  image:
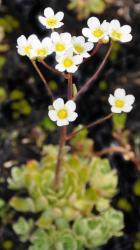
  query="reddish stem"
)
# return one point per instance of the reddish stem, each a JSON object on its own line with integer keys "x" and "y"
{"x": 96, "y": 74}
{"x": 94, "y": 51}
{"x": 43, "y": 80}
{"x": 91, "y": 125}
{"x": 55, "y": 71}
{"x": 70, "y": 86}
{"x": 60, "y": 156}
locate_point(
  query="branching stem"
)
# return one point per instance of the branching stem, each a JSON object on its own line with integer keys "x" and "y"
{"x": 43, "y": 80}
{"x": 95, "y": 75}
{"x": 91, "y": 125}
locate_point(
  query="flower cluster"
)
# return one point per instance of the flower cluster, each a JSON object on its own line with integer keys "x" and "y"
{"x": 70, "y": 52}
{"x": 102, "y": 32}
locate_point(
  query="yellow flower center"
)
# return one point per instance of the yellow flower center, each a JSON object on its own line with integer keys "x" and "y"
{"x": 42, "y": 52}
{"x": 98, "y": 33}
{"x": 60, "y": 47}
{"x": 119, "y": 103}
{"x": 116, "y": 35}
{"x": 27, "y": 49}
{"x": 62, "y": 114}
{"x": 78, "y": 48}
{"x": 68, "y": 62}
{"x": 52, "y": 22}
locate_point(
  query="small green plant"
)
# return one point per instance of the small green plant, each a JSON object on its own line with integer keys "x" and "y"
{"x": 65, "y": 218}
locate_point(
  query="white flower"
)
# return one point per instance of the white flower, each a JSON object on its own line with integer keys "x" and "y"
{"x": 62, "y": 113}
{"x": 24, "y": 45}
{"x": 41, "y": 49}
{"x": 68, "y": 62}
{"x": 118, "y": 33}
{"x": 121, "y": 102}
{"x": 96, "y": 31}
{"x": 51, "y": 20}
{"x": 61, "y": 42}
{"x": 80, "y": 47}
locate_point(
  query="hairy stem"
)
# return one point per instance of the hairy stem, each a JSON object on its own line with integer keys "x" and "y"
{"x": 43, "y": 80}
{"x": 95, "y": 75}
{"x": 91, "y": 125}
{"x": 62, "y": 141}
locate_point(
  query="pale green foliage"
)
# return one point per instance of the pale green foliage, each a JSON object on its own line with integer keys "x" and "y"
{"x": 85, "y": 7}
{"x": 9, "y": 23}
{"x": 23, "y": 228}
{"x": 65, "y": 216}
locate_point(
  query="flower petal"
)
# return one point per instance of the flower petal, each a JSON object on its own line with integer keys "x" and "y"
{"x": 52, "y": 115}
{"x": 21, "y": 40}
{"x": 85, "y": 55}
{"x": 93, "y": 22}
{"x": 21, "y": 52}
{"x": 111, "y": 99}
{"x": 78, "y": 59}
{"x": 71, "y": 106}
{"x": 115, "y": 24}
{"x": 58, "y": 104}
{"x": 32, "y": 38}
{"x": 86, "y": 32}
{"x": 127, "y": 108}
{"x": 130, "y": 99}
{"x": 105, "y": 26}
{"x": 61, "y": 123}
{"x": 73, "y": 69}
{"x": 72, "y": 117}
{"x": 116, "y": 110}
{"x": 48, "y": 12}
{"x": 119, "y": 93}
{"x": 42, "y": 20}
{"x": 79, "y": 39}
{"x": 55, "y": 37}
{"x": 59, "y": 24}
{"x": 126, "y": 29}
{"x": 89, "y": 46}
{"x": 59, "y": 15}
{"x": 60, "y": 67}
{"x": 126, "y": 38}
{"x": 66, "y": 37}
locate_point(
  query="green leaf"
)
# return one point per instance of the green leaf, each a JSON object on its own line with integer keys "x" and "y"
{"x": 3, "y": 94}
{"x": 16, "y": 94}
{"x": 48, "y": 124}
{"x": 23, "y": 204}
{"x": 23, "y": 227}
{"x": 119, "y": 121}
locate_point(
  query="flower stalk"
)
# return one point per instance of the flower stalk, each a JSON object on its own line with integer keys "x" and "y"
{"x": 62, "y": 141}
{"x": 95, "y": 75}
{"x": 43, "y": 79}
{"x": 91, "y": 125}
